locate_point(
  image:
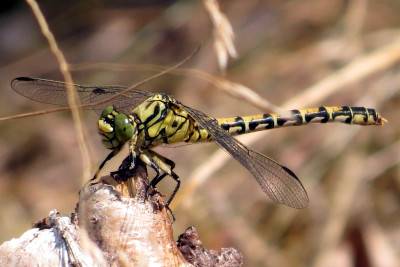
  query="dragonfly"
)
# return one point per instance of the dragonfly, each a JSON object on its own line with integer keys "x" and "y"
{"x": 144, "y": 120}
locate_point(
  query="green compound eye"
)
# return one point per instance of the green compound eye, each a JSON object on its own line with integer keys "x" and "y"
{"x": 123, "y": 128}
{"x": 107, "y": 111}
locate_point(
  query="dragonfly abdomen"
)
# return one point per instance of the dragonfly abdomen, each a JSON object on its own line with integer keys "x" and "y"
{"x": 344, "y": 114}
{"x": 145, "y": 120}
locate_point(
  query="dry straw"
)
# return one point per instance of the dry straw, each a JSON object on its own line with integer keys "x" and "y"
{"x": 223, "y": 34}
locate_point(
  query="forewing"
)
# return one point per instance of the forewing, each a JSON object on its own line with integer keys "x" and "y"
{"x": 277, "y": 181}
{"x": 54, "y": 92}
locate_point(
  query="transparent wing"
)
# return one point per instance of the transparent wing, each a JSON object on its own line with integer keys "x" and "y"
{"x": 277, "y": 181}
{"x": 54, "y": 92}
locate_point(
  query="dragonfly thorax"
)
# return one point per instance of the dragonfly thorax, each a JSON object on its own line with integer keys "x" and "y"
{"x": 157, "y": 119}
{"x": 115, "y": 128}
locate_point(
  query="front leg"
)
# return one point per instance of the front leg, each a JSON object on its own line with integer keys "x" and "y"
{"x": 109, "y": 156}
{"x": 132, "y": 155}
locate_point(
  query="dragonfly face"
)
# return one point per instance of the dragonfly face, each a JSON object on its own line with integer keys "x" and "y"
{"x": 115, "y": 128}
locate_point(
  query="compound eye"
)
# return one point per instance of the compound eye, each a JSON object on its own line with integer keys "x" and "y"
{"x": 123, "y": 128}
{"x": 107, "y": 112}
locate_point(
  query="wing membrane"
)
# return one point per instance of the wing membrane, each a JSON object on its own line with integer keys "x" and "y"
{"x": 54, "y": 92}
{"x": 277, "y": 181}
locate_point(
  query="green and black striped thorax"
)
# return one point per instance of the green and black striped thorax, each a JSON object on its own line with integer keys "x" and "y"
{"x": 158, "y": 120}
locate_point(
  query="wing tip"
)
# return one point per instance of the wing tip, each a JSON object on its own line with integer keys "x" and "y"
{"x": 20, "y": 79}
{"x": 25, "y": 79}
{"x": 298, "y": 202}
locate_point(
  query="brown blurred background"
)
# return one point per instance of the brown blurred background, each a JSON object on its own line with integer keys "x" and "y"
{"x": 351, "y": 173}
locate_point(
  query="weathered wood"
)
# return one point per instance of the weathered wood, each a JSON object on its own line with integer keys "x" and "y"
{"x": 191, "y": 247}
{"x": 114, "y": 225}
{"x": 53, "y": 242}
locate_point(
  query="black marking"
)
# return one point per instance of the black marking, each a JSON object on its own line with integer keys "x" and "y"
{"x": 165, "y": 97}
{"x": 162, "y": 132}
{"x": 181, "y": 125}
{"x": 346, "y": 111}
{"x": 281, "y": 121}
{"x": 163, "y": 113}
{"x": 290, "y": 173}
{"x": 361, "y": 111}
{"x": 239, "y": 122}
{"x": 189, "y": 137}
{"x": 24, "y": 79}
{"x": 322, "y": 113}
{"x": 99, "y": 91}
{"x": 298, "y": 118}
{"x": 135, "y": 117}
{"x": 268, "y": 120}
{"x": 156, "y": 111}
{"x": 225, "y": 126}
{"x": 373, "y": 113}
{"x": 197, "y": 130}
{"x": 253, "y": 124}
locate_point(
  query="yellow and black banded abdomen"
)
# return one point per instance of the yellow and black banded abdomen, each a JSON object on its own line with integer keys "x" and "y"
{"x": 162, "y": 121}
{"x": 344, "y": 114}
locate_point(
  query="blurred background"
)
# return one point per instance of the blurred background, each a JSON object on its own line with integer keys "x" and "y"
{"x": 295, "y": 54}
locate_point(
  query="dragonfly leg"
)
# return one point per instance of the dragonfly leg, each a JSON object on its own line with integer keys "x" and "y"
{"x": 160, "y": 163}
{"x": 110, "y": 156}
{"x": 126, "y": 170}
{"x": 178, "y": 184}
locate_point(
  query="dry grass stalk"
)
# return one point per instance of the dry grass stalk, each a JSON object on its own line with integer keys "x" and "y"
{"x": 223, "y": 34}
{"x": 73, "y": 100}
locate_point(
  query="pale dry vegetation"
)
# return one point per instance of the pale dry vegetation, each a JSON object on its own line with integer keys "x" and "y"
{"x": 294, "y": 54}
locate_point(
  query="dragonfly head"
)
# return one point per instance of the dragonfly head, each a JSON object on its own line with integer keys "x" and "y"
{"x": 115, "y": 128}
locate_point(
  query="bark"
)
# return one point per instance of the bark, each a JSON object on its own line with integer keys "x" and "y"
{"x": 114, "y": 225}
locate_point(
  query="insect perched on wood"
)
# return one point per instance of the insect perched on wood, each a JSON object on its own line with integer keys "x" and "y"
{"x": 144, "y": 120}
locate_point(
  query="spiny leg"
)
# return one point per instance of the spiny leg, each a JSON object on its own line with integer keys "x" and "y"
{"x": 160, "y": 163}
{"x": 178, "y": 184}
{"x": 153, "y": 184}
{"x": 170, "y": 166}
{"x": 109, "y": 156}
{"x": 158, "y": 179}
